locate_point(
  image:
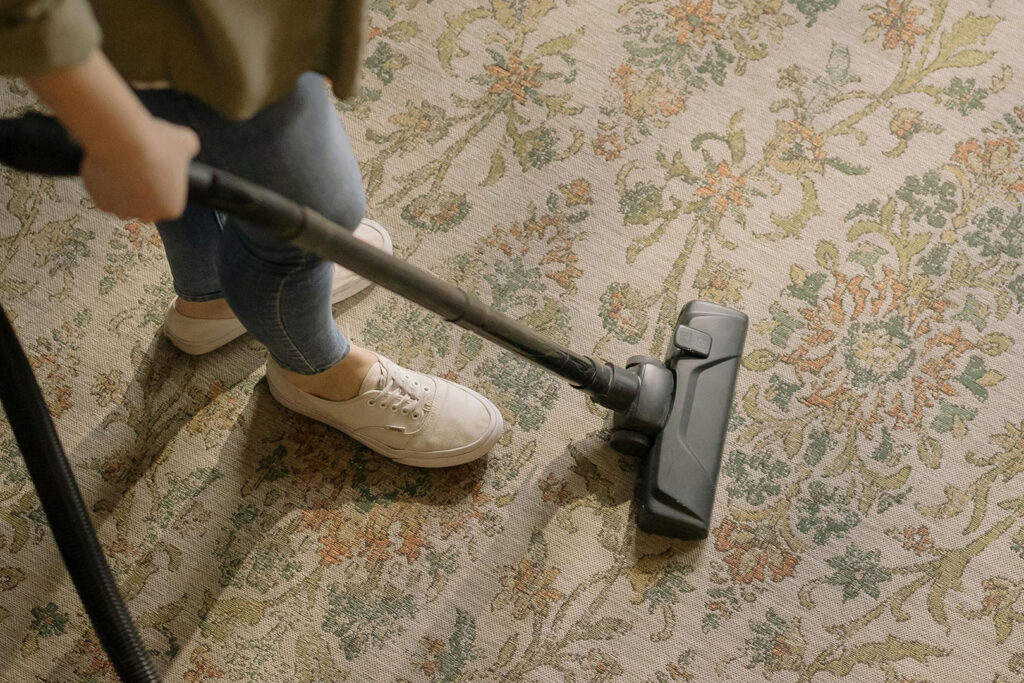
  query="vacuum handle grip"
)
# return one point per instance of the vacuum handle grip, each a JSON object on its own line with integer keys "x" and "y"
{"x": 36, "y": 143}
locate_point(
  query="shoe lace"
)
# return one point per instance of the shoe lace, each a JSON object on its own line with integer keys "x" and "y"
{"x": 399, "y": 391}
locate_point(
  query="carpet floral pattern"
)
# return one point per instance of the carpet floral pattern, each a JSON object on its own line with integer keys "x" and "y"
{"x": 848, "y": 173}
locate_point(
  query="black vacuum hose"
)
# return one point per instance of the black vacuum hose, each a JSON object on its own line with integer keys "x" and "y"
{"x": 65, "y": 510}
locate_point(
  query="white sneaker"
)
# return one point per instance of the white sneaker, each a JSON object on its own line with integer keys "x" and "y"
{"x": 412, "y": 418}
{"x": 197, "y": 336}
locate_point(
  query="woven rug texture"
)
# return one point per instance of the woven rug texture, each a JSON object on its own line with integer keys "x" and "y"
{"x": 849, "y": 174}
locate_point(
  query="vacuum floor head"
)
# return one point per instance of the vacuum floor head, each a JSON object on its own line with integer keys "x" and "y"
{"x": 678, "y": 422}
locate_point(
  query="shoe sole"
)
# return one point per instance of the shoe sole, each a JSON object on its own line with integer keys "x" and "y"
{"x": 199, "y": 348}
{"x": 475, "y": 451}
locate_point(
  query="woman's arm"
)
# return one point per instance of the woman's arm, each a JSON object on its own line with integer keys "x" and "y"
{"x": 135, "y": 165}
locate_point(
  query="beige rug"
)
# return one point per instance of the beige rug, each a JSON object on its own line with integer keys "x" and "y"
{"x": 850, "y": 175}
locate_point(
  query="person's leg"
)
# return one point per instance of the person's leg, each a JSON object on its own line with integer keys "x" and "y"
{"x": 298, "y": 148}
{"x": 190, "y": 242}
{"x": 281, "y": 294}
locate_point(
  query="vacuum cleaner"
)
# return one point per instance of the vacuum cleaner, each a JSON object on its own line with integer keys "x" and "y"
{"x": 671, "y": 414}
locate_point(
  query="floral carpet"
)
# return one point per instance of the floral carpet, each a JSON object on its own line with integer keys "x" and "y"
{"x": 847, "y": 173}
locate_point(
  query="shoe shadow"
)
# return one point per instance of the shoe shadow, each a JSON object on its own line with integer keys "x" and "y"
{"x": 127, "y": 447}
{"x": 168, "y": 390}
{"x": 284, "y": 481}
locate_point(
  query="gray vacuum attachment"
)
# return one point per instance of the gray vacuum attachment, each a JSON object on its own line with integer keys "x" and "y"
{"x": 675, "y": 491}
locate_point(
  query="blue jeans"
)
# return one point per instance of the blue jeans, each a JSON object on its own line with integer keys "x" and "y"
{"x": 282, "y": 294}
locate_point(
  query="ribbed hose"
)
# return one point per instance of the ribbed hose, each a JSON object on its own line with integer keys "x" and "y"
{"x": 65, "y": 510}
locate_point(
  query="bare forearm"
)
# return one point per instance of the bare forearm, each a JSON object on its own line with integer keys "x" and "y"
{"x": 95, "y": 104}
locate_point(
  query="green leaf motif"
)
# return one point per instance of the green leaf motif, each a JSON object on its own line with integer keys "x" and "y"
{"x": 497, "y": 169}
{"x": 812, "y": 8}
{"x": 737, "y": 140}
{"x": 447, "y": 43}
{"x": 827, "y": 255}
{"x": 846, "y": 167}
{"x": 760, "y": 360}
{"x": 977, "y": 378}
{"x": 604, "y": 628}
{"x": 459, "y": 649}
{"x": 861, "y": 228}
{"x": 967, "y": 30}
{"x": 785, "y": 325}
{"x": 793, "y": 224}
{"x": 857, "y": 572}
{"x": 930, "y": 452}
{"x": 994, "y": 344}
{"x": 557, "y": 46}
{"x": 892, "y": 649}
{"x": 966, "y": 58}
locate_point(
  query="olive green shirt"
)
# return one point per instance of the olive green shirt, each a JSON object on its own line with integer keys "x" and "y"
{"x": 236, "y": 55}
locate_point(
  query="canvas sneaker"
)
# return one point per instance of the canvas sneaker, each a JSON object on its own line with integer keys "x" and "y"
{"x": 414, "y": 419}
{"x": 197, "y": 336}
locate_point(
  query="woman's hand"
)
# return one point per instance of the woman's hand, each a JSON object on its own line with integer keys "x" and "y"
{"x": 147, "y": 178}
{"x": 135, "y": 165}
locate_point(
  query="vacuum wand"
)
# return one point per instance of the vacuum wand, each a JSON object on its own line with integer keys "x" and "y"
{"x": 607, "y": 384}
{"x": 39, "y": 144}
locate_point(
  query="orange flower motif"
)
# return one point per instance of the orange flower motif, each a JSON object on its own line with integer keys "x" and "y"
{"x": 654, "y": 95}
{"x": 135, "y": 231}
{"x": 617, "y": 304}
{"x": 513, "y": 78}
{"x": 754, "y": 550}
{"x": 331, "y": 550}
{"x": 850, "y": 386}
{"x": 904, "y": 127}
{"x": 917, "y": 539}
{"x": 969, "y": 154}
{"x": 695, "y": 22}
{"x": 608, "y": 146}
{"x": 622, "y": 76}
{"x": 412, "y": 543}
{"x": 992, "y": 161}
{"x": 434, "y": 648}
{"x": 202, "y": 669}
{"x": 554, "y": 490}
{"x": 93, "y": 661}
{"x": 781, "y": 647}
{"x": 995, "y": 156}
{"x": 724, "y": 188}
{"x": 1000, "y": 595}
{"x": 577, "y": 192}
{"x": 898, "y": 23}
{"x": 807, "y": 133}
{"x": 529, "y": 590}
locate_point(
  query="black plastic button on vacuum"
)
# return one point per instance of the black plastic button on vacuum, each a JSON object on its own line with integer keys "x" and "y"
{"x": 691, "y": 341}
